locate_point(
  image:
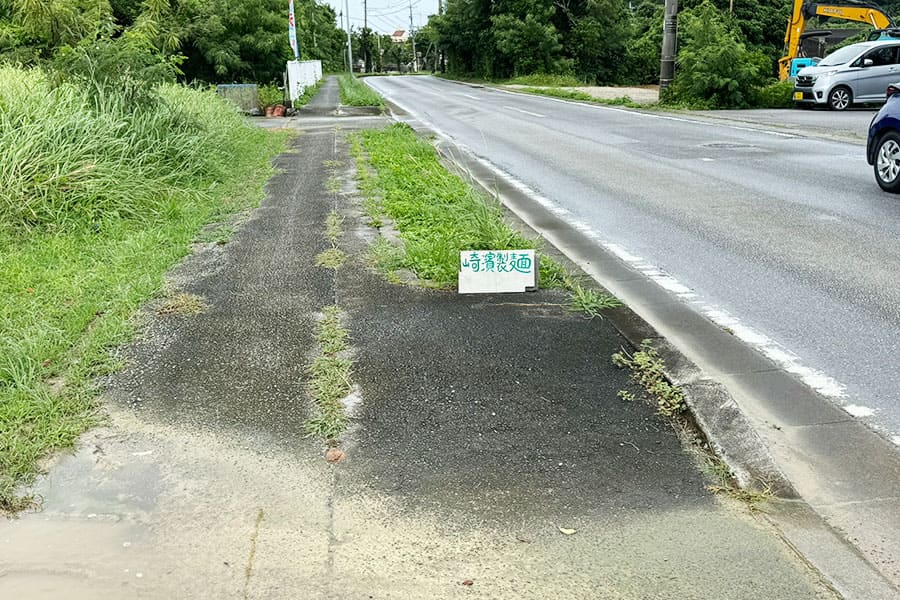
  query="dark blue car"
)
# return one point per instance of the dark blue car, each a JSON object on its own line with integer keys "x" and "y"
{"x": 883, "y": 148}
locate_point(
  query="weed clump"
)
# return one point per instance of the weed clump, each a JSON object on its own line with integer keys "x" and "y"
{"x": 329, "y": 377}
{"x": 647, "y": 371}
{"x": 590, "y": 302}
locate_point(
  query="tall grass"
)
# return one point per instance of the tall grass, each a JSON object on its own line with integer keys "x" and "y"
{"x": 356, "y": 93}
{"x": 66, "y": 164}
{"x": 97, "y": 201}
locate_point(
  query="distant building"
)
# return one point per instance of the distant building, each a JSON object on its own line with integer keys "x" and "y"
{"x": 399, "y": 36}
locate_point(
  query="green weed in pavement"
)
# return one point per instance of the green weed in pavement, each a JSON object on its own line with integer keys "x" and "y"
{"x": 589, "y": 301}
{"x": 329, "y": 377}
{"x": 356, "y": 93}
{"x": 437, "y": 213}
{"x": 333, "y": 223}
{"x": 648, "y": 371}
{"x": 182, "y": 304}
{"x": 95, "y": 205}
{"x": 332, "y": 258}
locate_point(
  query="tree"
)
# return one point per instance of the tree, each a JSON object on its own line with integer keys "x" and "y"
{"x": 220, "y": 40}
{"x": 714, "y": 66}
{"x": 597, "y": 40}
{"x": 525, "y": 38}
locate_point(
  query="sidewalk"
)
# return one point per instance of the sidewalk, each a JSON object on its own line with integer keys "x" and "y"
{"x": 480, "y": 427}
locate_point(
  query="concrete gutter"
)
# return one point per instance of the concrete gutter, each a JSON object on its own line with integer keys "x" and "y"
{"x": 838, "y": 482}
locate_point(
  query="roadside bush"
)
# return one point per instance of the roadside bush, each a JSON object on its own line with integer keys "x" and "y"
{"x": 777, "y": 94}
{"x": 715, "y": 68}
{"x": 127, "y": 68}
{"x": 270, "y": 95}
{"x": 75, "y": 155}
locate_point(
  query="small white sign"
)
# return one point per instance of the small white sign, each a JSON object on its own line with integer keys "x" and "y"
{"x": 497, "y": 271}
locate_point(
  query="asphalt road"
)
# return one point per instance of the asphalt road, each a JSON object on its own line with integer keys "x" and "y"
{"x": 782, "y": 237}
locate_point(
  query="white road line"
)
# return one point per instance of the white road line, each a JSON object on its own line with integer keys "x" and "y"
{"x": 471, "y": 96}
{"x": 526, "y": 112}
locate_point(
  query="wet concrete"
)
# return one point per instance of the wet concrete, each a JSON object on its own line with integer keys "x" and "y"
{"x": 485, "y": 425}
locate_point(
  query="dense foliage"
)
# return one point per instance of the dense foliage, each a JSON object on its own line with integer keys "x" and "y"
{"x": 714, "y": 65}
{"x": 208, "y": 40}
{"x": 723, "y": 53}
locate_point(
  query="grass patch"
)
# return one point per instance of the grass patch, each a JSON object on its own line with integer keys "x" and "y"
{"x": 333, "y": 223}
{"x": 308, "y": 94}
{"x": 182, "y": 304}
{"x": 333, "y": 258}
{"x": 590, "y": 302}
{"x": 647, "y": 371}
{"x": 437, "y": 213}
{"x": 329, "y": 377}
{"x": 584, "y": 97}
{"x": 543, "y": 79}
{"x": 356, "y": 93}
{"x": 95, "y": 206}
{"x": 385, "y": 256}
{"x": 220, "y": 235}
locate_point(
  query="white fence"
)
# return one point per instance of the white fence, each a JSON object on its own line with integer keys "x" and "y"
{"x": 300, "y": 75}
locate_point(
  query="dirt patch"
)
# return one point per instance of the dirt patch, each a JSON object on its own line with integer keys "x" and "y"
{"x": 647, "y": 94}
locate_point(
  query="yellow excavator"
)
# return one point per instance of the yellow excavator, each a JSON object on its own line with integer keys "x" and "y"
{"x": 807, "y": 9}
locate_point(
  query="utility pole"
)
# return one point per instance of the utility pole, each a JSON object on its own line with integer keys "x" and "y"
{"x": 412, "y": 36}
{"x": 349, "y": 43}
{"x": 670, "y": 34}
{"x": 380, "y": 55}
{"x": 367, "y": 55}
{"x": 441, "y": 12}
{"x": 342, "y": 54}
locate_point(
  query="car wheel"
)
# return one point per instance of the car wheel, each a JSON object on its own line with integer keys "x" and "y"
{"x": 840, "y": 98}
{"x": 887, "y": 163}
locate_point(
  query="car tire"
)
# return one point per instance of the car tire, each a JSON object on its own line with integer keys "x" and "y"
{"x": 887, "y": 162}
{"x": 840, "y": 98}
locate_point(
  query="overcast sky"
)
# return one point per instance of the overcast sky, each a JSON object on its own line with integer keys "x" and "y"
{"x": 386, "y": 16}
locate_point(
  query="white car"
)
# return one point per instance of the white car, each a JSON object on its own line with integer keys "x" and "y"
{"x": 854, "y": 74}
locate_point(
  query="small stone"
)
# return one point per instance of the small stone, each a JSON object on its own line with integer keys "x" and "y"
{"x": 335, "y": 455}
